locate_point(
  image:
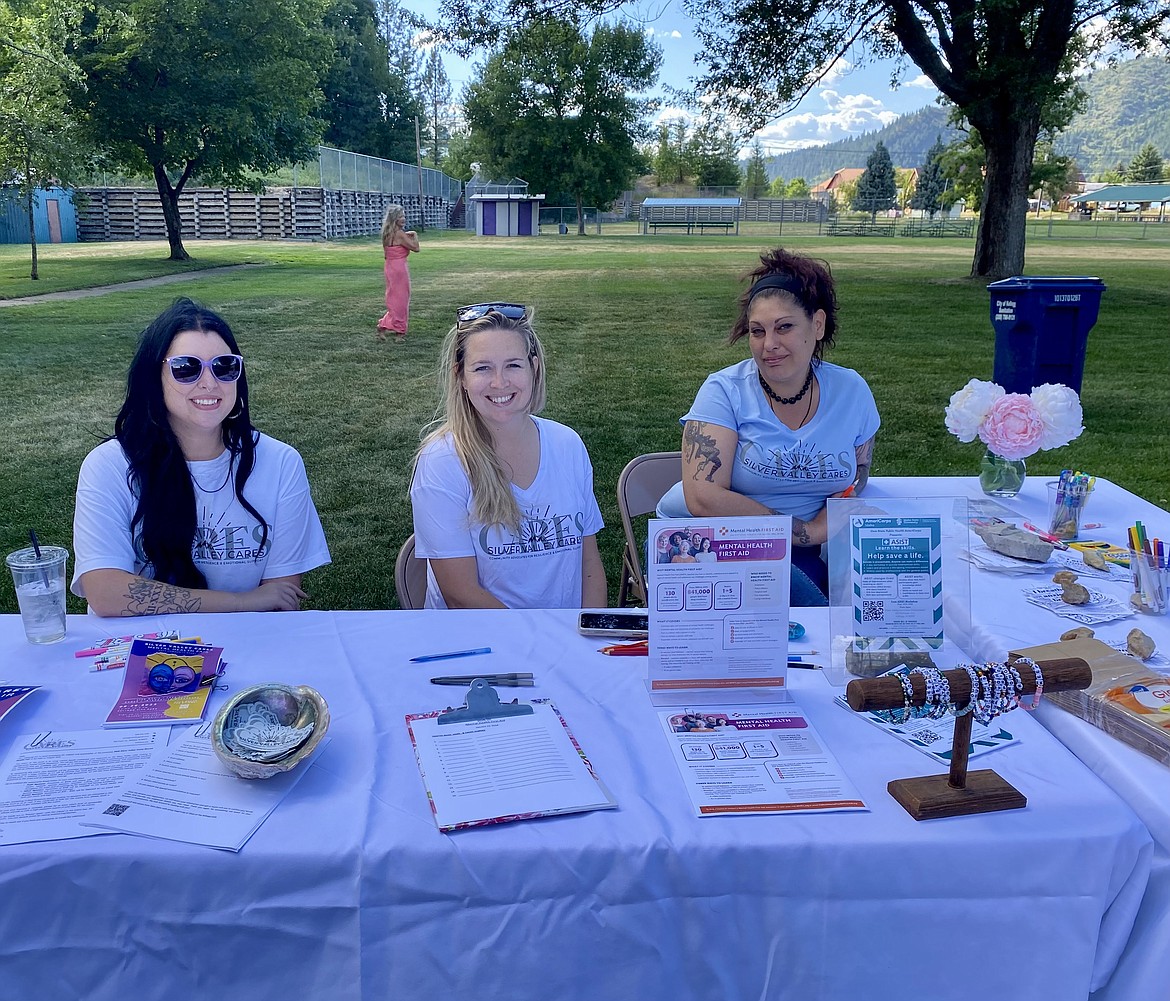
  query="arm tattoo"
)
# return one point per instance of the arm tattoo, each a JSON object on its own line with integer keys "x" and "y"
{"x": 864, "y": 461}
{"x": 152, "y": 597}
{"x": 701, "y": 449}
{"x": 800, "y": 534}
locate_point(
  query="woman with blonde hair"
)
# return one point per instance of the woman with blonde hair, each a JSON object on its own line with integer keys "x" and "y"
{"x": 504, "y": 510}
{"x": 397, "y": 244}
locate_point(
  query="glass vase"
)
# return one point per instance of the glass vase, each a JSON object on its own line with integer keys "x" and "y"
{"x": 1000, "y": 477}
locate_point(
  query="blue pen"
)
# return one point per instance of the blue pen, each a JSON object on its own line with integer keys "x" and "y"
{"x": 451, "y": 656}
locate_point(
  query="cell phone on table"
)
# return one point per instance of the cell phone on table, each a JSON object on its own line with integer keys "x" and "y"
{"x": 629, "y": 623}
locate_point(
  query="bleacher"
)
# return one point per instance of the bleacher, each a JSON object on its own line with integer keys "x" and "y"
{"x": 937, "y": 227}
{"x": 690, "y": 214}
{"x": 859, "y": 227}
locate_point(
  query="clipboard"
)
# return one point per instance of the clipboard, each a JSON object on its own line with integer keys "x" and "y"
{"x": 483, "y": 702}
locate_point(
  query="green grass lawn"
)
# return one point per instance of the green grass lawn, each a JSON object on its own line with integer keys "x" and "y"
{"x": 631, "y": 325}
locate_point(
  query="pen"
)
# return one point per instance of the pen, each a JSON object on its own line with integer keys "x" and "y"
{"x": 523, "y": 680}
{"x": 451, "y": 655}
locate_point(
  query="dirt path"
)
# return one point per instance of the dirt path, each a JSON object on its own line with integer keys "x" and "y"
{"x": 85, "y": 293}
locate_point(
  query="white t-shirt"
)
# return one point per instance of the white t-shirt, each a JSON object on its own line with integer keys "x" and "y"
{"x": 540, "y": 567}
{"x": 227, "y": 537}
{"x": 788, "y": 471}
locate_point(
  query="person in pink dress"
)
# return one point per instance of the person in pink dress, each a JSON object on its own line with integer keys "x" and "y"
{"x": 397, "y": 243}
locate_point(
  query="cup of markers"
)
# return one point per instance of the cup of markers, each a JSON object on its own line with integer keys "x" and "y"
{"x": 1149, "y": 563}
{"x": 1067, "y": 498}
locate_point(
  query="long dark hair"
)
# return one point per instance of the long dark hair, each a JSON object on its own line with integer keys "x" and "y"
{"x": 158, "y": 474}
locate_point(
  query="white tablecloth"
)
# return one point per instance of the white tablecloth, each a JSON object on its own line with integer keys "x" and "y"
{"x": 349, "y": 891}
{"x": 1004, "y": 620}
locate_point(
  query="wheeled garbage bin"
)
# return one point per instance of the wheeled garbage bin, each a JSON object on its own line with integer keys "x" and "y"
{"x": 1042, "y": 326}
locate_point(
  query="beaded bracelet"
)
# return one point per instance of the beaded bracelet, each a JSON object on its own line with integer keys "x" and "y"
{"x": 970, "y": 706}
{"x": 938, "y": 693}
{"x": 901, "y": 714}
{"x": 1029, "y": 662}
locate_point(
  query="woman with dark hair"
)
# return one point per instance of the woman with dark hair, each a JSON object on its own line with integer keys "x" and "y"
{"x": 188, "y": 508}
{"x": 783, "y": 430}
{"x": 503, "y": 500}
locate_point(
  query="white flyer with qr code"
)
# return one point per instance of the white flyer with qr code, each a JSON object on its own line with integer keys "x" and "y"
{"x": 897, "y": 581}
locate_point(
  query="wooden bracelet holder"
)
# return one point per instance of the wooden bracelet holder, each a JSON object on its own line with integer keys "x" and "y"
{"x": 960, "y": 793}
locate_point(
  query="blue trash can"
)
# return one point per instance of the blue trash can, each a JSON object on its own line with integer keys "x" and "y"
{"x": 1042, "y": 326}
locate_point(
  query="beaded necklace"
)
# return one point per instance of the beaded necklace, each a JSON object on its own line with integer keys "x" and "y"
{"x": 786, "y": 400}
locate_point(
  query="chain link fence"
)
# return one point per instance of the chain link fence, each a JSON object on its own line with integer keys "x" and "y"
{"x": 341, "y": 170}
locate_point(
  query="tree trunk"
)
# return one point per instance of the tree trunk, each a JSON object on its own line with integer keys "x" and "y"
{"x": 169, "y": 196}
{"x": 32, "y": 232}
{"x": 1003, "y": 216}
{"x": 580, "y": 215}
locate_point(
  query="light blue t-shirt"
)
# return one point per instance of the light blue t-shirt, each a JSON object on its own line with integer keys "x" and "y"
{"x": 785, "y": 470}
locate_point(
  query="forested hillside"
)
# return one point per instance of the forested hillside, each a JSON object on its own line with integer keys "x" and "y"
{"x": 1127, "y": 107}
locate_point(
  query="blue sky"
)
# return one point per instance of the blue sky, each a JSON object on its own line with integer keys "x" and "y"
{"x": 849, "y": 101}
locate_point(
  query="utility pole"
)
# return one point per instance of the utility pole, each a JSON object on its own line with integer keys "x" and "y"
{"x": 422, "y": 223}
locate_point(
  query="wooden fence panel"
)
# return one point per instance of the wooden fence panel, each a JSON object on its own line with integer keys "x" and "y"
{"x": 276, "y": 214}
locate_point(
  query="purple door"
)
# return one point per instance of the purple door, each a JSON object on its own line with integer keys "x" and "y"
{"x": 524, "y": 220}
{"x": 489, "y": 218}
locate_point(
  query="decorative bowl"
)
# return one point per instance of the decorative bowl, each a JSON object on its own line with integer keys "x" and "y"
{"x": 270, "y": 728}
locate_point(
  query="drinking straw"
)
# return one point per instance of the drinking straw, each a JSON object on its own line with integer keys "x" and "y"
{"x": 32, "y": 537}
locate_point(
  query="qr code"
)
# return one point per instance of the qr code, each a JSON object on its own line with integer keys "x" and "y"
{"x": 116, "y": 809}
{"x": 928, "y": 736}
{"x": 873, "y": 611}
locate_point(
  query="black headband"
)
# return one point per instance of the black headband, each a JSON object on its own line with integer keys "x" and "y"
{"x": 788, "y": 283}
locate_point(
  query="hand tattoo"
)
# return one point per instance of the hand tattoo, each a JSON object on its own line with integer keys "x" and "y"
{"x": 701, "y": 449}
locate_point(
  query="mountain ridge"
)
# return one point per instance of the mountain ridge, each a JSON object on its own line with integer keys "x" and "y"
{"x": 1125, "y": 108}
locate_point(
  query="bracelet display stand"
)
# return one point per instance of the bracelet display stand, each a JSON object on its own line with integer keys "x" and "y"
{"x": 960, "y": 793}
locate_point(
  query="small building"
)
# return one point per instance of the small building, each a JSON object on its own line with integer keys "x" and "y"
{"x": 1127, "y": 197}
{"x": 54, "y": 216}
{"x": 826, "y": 191}
{"x": 502, "y": 208}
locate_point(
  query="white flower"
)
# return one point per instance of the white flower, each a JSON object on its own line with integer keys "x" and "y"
{"x": 969, "y": 406}
{"x": 1060, "y": 410}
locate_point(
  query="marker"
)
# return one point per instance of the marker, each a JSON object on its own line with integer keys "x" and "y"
{"x": 523, "y": 680}
{"x": 451, "y": 655}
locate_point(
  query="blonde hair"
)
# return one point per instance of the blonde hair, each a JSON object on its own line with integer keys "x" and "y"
{"x": 394, "y": 219}
{"x": 491, "y": 488}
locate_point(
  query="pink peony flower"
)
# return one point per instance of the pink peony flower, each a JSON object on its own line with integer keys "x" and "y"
{"x": 1013, "y": 427}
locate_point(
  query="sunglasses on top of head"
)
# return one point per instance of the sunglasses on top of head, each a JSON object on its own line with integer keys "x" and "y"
{"x": 187, "y": 369}
{"x": 512, "y": 310}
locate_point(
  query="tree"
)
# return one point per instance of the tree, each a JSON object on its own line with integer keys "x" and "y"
{"x": 963, "y": 164}
{"x": 712, "y": 156}
{"x": 436, "y": 99}
{"x": 669, "y": 162}
{"x": 1053, "y": 175}
{"x": 931, "y": 183}
{"x": 1146, "y": 166}
{"x": 798, "y": 189}
{"x": 755, "y": 178}
{"x": 877, "y": 187}
{"x": 557, "y": 106}
{"x": 999, "y": 61}
{"x": 203, "y": 87}
{"x": 40, "y": 143}
{"x": 368, "y": 109}
{"x": 778, "y": 188}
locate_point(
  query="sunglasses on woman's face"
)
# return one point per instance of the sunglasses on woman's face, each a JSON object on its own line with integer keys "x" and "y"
{"x": 187, "y": 369}
{"x": 512, "y": 310}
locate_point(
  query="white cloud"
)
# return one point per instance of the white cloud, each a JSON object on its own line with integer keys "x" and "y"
{"x": 651, "y": 32}
{"x": 848, "y": 115}
{"x": 836, "y": 70}
{"x": 923, "y": 81}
